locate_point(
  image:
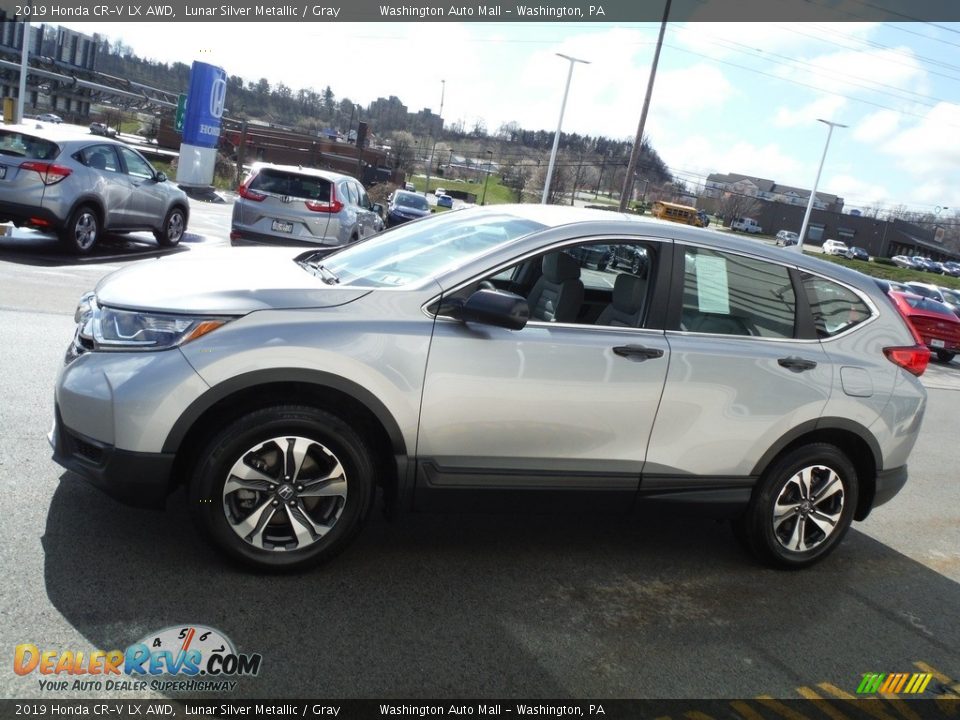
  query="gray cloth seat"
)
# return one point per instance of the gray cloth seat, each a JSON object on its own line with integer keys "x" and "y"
{"x": 558, "y": 293}
{"x": 98, "y": 161}
{"x": 626, "y": 309}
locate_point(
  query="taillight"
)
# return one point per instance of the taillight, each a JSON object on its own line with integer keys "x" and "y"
{"x": 249, "y": 194}
{"x": 326, "y": 206}
{"x": 913, "y": 359}
{"x": 49, "y": 173}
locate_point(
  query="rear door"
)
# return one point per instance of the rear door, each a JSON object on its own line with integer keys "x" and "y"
{"x": 742, "y": 374}
{"x": 112, "y": 184}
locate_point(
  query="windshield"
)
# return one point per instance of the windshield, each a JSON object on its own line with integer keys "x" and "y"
{"x": 411, "y": 253}
{"x": 411, "y": 200}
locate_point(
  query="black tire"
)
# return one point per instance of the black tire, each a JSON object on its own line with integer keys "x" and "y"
{"x": 82, "y": 230}
{"x": 252, "y": 445}
{"x": 803, "y": 526}
{"x": 944, "y": 356}
{"x": 174, "y": 225}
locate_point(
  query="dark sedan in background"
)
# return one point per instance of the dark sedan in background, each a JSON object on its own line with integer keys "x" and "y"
{"x": 404, "y": 206}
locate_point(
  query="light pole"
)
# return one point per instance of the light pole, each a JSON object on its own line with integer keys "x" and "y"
{"x": 556, "y": 138}
{"x": 24, "y": 66}
{"x": 483, "y": 200}
{"x": 443, "y": 90}
{"x": 813, "y": 193}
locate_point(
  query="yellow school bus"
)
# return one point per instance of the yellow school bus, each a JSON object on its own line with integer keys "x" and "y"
{"x": 680, "y": 213}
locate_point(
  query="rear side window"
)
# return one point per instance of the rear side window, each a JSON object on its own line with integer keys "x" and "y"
{"x": 283, "y": 183}
{"x": 835, "y": 308}
{"x": 27, "y": 146}
{"x": 733, "y": 295}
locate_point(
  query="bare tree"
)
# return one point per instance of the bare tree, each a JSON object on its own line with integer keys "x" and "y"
{"x": 735, "y": 205}
{"x": 402, "y": 145}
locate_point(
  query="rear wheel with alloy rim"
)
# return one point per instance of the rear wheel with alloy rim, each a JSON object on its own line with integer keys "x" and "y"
{"x": 283, "y": 487}
{"x": 81, "y": 231}
{"x": 802, "y": 507}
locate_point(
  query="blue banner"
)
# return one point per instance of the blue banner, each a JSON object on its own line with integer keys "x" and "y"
{"x": 208, "y": 90}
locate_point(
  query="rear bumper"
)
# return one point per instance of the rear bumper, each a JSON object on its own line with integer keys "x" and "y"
{"x": 240, "y": 237}
{"x": 138, "y": 479}
{"x": 23, "y": 215}
{"x": 889, "y": 483}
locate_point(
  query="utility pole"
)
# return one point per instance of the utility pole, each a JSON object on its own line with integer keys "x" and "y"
{"x": 627, "y": 190}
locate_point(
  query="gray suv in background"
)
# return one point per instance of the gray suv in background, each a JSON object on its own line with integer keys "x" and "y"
{"x": 478, "y": 356}
{"x": 62, "y": 180}
{"x": 285, "y": 204}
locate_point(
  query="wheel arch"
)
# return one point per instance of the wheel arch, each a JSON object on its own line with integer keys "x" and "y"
{"x": 853, "y": 439}
{"x": 349, "y": 401}
{"x": 93, "y": 201}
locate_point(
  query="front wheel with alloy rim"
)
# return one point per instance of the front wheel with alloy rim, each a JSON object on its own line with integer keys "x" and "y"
{"x": 802, "y": 507}
{"x": 283, "y": 487}
{"x": 81, "y": 231}
{"x": 173, "y": 228}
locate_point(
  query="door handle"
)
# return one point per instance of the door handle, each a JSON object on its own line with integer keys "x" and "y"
{"x": 637, "y": 352}
{"x": 796, "y": 364}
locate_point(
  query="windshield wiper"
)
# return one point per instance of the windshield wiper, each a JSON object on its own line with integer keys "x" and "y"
{"x": 328, "y": 277}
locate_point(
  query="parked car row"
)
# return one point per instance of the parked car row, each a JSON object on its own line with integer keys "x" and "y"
{"x": 924, "y": 264}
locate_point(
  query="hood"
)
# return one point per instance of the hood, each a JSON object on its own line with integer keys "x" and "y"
{"x": 408, "y": 211}
{"x": 230, "y": 281}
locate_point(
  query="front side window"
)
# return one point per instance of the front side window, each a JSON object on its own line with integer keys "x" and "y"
{"x": 835, "y": 308}
{"x": 598, "y": 283}
{"x": 136, "y": 165}
{"x": 730, "y": 294}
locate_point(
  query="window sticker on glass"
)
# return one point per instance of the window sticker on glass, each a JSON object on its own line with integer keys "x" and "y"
{"x": 713, "y": 291}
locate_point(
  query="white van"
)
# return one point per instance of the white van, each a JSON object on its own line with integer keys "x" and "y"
{"x": 748, "y": 225}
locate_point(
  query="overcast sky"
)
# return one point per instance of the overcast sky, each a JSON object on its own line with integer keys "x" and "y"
{"x": 729, "y": 97}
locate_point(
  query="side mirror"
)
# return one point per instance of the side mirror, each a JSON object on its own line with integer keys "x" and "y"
{"x": 378, "y": 209}
{"x": 160, "y": 177}
{"x": 495, "y": 307}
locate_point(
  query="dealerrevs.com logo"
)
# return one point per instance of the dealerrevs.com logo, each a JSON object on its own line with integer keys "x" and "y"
{"x": 186, "y": 658}
{"x": 897, "y": 683}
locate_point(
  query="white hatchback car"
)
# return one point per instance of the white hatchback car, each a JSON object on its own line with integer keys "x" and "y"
{"x": 835, "y": 247}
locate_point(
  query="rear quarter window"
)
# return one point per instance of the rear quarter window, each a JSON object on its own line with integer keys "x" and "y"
{"x": 835, "y": 308}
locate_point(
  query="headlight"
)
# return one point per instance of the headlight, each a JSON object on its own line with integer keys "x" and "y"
{"x": 106, "y": 328}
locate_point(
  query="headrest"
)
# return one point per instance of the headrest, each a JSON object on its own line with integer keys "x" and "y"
{"x": 628, "y": 292}
{"x": 559, "y": 267}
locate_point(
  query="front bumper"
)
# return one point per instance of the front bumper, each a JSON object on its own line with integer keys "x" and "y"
{"x": 138, "y": 479}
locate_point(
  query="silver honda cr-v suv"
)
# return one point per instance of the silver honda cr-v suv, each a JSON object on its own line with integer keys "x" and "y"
{"x": 476, "y": 354}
